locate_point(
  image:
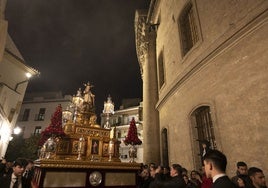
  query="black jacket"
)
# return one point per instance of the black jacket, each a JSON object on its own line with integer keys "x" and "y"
{"x": 5, "y": 182}
{"x": 172, "y": 182}
{"x": 223, "y": 182}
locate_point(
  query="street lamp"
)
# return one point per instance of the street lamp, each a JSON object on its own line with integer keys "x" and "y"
{"x": 17, "y": 130}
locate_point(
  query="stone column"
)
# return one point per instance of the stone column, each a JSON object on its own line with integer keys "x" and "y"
{"x": 146, "y": 51}
{"x": 3, "y": 28}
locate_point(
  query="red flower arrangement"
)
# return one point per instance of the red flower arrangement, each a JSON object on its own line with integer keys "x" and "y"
{"x": 132, "y": 137}
{"x": 54, "y": 128}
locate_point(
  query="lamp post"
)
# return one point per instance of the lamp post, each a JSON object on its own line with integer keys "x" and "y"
{"x": 78, "y": 102}
{"x": 81, "y": 145}
{"x": 66, "y": 115}
{"x": 108, "y": 110}
{"x": 17, "y": 130}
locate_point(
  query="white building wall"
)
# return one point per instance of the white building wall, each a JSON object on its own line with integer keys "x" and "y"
{"x": 34, "y": 105}
{"x": 121, "y": 118}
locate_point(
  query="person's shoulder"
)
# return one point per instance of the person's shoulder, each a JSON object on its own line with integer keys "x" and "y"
{"x": 224, "y": 181}
{"x": 5, "y": 180}
{"x": 179, "y": 180}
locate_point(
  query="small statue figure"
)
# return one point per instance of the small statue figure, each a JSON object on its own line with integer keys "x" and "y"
{"x": 93, "y": 121}
{"x": 88, "y": 96}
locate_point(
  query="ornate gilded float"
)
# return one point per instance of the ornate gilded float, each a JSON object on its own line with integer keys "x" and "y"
{"x": 88, "y": 155}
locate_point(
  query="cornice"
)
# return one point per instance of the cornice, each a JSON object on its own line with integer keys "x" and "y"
{"x": 49, "y": 163}
{"x": 219, "y": 47}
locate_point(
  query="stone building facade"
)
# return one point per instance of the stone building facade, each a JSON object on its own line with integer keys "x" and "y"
{"x": 37, "y": 109}
{"x": 14, "y": 78}
{"x": 204, "y": 69}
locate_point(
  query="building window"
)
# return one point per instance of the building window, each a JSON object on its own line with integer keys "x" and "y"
{"x": 37, "y": 130}
{"x": 41, "y": 115}
{"x": 161, "y": 70}
{"x": 203, "y": 130}
{"x": 11, "y": 114}
{"x": 188, "y": 28}
{"x": 165, "y": 147}
{"x": 26, "y": 114}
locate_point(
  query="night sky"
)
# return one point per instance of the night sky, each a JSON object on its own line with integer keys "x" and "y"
{"x": 72, "y": 42}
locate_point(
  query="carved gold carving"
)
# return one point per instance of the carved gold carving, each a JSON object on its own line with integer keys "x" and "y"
{"x": 73, "y": 163}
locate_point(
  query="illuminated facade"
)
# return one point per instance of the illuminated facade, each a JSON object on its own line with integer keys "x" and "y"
{"x": 204, "y": 70}
{"x": 14, "y": 78}
{"x": 37, "y": 109}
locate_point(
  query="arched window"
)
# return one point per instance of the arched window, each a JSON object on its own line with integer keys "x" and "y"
{"x": 202, "y": 130}
{"x": 165, "y": 147}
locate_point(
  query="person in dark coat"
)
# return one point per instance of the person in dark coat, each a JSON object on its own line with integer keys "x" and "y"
{"x": 206, "y": 149}
{"x": 215, "y": 165}
{"x": 242, "y": 169}
{"x": 16, "y": 179}
{"x": 145, "y": 178}
{"x": 5, "y": 168}
{"x": 257, "y": 178}
{"x": 175, "y": 181}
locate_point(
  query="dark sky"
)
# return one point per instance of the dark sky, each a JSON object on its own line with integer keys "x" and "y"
{"x": 74, "y": 41}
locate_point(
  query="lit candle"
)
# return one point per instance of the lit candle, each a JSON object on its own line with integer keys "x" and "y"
{"x": 111, "y": 147}
{"x": 112, "y": 133}
{"x": 80, "y": 143}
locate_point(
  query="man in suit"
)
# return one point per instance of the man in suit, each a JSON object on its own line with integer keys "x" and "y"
{"x": 215, "y": 165}
{"x": 16, "y": 180}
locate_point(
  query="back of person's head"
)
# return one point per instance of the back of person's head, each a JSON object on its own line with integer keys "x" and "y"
{"x": 30, "y": 161}
{"x": 217, "y": 158}
{"x": 178, "y": 168}
{"x": 240, "y": 163}
{"x": 184, "y": 171}
{"x": 145, "y": 166}
{"x": 243, "y": 177}
{"x": 166, "y": 170}
{"x": 20, "y": 162}
{"x": 206, "y": 142}
{"x": 253, "y": 170}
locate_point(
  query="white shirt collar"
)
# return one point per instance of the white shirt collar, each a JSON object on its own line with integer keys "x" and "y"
{"x": 14, "y": 177}
{"x": 217, "y": 176}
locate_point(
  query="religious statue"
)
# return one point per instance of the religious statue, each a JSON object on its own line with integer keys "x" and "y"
{"x": 93, "y": 121}
{"x": 88, "y": 96}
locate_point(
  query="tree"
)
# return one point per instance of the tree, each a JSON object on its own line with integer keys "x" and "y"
{"x": 26, "y": 148}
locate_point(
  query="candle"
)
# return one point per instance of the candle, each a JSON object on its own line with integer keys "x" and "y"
{"x": 80, "y": 143}
{"x": 111, "y": 147}
{"x": 112, "y": 133}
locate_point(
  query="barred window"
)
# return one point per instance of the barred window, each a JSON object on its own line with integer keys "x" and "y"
{"x": 203, "y": 130}
{"x": 188, "y": 29}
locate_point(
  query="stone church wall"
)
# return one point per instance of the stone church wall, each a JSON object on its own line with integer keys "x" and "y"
{"x": 227, "y": 70}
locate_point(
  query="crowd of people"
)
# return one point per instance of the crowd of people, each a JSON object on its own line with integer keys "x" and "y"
{"x": 20, "y": 173}
{"x": 17, "y": 174}
{"x": 213, "y": 175}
